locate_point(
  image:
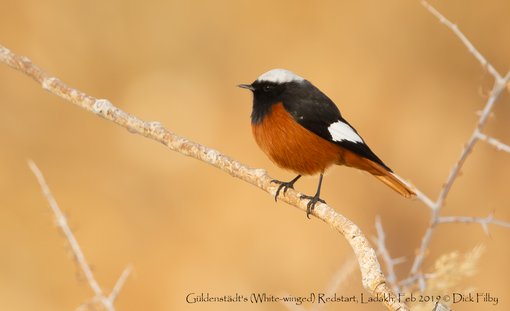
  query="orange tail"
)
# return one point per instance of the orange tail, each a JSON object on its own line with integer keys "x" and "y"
{"x": 390, "y": 179}
{"x": 395, "y": 183}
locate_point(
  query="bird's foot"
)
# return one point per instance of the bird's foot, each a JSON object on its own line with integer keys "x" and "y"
{"x": 311, "y": 204}
{"x": 284, "y": 185}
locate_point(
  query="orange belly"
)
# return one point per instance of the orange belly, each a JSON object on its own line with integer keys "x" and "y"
{"x": 293, "y": 147}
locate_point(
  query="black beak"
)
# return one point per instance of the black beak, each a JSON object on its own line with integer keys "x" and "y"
{"x": 247, "y": 86}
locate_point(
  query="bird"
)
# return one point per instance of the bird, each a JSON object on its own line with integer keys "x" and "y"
{"x": 301, "y": 129}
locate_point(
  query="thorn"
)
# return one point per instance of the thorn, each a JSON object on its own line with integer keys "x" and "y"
{"x": 399, "y": 260}
{"x": 485, "y": 228}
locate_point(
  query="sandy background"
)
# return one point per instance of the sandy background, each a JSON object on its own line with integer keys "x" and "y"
{"x": 405, "y": 82}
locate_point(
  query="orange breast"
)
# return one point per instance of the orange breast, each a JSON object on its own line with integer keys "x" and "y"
{"x": 293, "y": 147}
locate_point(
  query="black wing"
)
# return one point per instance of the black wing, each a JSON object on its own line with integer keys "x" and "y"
{"x": 313, "y": 110}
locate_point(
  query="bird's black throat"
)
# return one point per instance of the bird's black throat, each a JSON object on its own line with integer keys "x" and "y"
{"x": 265, "y": 95}
{"x": 259, "y": 111}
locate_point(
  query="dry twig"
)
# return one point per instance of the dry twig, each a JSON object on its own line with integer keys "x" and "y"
{"x": 61, "y": 220}
{"x": 494, "y": 142}
{"x": 388, "y": 260}
{"x": 483, "y": 221}
{"x": 500, "y": 83}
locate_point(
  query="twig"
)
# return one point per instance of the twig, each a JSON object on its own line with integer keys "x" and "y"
{"x": 75, "y": 247}
{"x": 471, "y": 48}
{"x": 424, "y": 198}
{"x": 119, "y": 284}
{"x": 340, "y": 277}
{"x": 494, "y": 142}
{"x": 454, "y": 173}
{"x": 496, "y": 91}
{"x": 371, "y": 274}
{"x": 388, "y": 260}
{"x": 499, "y": 85}
{"x": 107, "y": 302}
{"x": 483, "y": 221}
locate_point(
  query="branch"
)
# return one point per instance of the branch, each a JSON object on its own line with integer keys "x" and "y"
{"x": 454, "y": 173}
{"x": 120, "y": 283}
{"x": 499, "y": 85}
{"x": 494, "y": 142}
{"x": 372, "y": 277}
{"x": 107, "y": 302}
{"x": 483, "y": 221}
{"x": 388, "y": 260}
{"x": 455, "y": 29}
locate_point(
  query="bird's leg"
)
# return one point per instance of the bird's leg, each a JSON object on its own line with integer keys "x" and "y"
{"x": 284, "y": 185}
{"x": 313, "y": 200}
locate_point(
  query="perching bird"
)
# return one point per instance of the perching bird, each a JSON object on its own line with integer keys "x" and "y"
{"x": 301, "y": 129}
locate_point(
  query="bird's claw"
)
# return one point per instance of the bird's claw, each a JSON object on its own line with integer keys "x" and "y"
{"x": 310, "y": 206}
{"x": 282, "y": 185}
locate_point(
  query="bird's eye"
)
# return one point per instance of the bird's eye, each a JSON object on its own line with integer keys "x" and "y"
{"x": 267, "y": 88}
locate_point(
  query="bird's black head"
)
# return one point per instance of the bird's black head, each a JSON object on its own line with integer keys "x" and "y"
{"x": 269, "y": 89}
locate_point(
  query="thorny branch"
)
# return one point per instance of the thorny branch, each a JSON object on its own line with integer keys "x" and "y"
{"x": 483, "y": 221}
{"x": 61, "y": 220}
{"x": 500, "y": 83}
{"x": 372, "y": 277}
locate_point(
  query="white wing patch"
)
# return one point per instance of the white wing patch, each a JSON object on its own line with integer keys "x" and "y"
{"x": 279, "y": 76}
{"x": 341, "y": 131}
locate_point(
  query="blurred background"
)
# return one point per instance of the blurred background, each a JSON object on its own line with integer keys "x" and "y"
{"x": 404, "y": 80}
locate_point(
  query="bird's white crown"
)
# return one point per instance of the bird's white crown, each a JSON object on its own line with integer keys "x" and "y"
{"x": 279, "y": 76}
